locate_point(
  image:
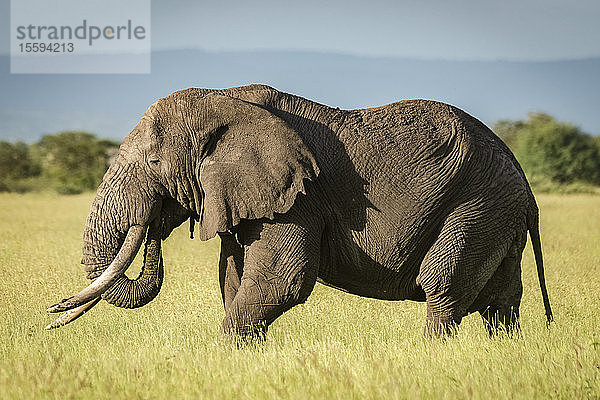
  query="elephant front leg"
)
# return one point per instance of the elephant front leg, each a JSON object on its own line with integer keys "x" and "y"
{"x": 280, "y": 271}
{"x": 231, "y": 266}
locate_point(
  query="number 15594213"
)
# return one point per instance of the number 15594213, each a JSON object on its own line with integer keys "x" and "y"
{"x": 46, "y": 47}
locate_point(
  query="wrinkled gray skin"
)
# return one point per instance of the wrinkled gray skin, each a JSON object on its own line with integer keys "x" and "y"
{"x": 414, "y": 200}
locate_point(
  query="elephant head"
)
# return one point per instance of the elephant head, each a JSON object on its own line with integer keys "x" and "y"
{"x": 196, "y": 154}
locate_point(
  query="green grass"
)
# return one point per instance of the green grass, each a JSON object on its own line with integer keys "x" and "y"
{"x": 334, "y": 346}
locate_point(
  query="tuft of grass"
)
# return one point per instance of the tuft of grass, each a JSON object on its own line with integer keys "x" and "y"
{"x": 334, "y": 346}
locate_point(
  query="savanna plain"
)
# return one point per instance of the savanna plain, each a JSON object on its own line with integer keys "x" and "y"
{"x": 334, "y": 346}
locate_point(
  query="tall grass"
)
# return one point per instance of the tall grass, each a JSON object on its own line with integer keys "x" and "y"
{"x": 334, "y": 346}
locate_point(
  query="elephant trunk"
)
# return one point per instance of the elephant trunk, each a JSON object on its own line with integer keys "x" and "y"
{"x": 107, "y": 254}
{"x": 133, "y": 293}
{"x": 102, "y": 241}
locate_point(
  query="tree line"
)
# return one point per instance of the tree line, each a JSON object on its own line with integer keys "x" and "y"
{"x": 556, "y": 156}
{"x": 67, "y": 162}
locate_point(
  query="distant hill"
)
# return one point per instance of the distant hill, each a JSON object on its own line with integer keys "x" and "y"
{"x": 110, "y": 105}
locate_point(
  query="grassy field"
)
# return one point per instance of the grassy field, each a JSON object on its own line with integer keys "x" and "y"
{"x": 334, "y": 346}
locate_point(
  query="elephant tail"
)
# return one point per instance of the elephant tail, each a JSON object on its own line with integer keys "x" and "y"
{"x": 533, "y": 226}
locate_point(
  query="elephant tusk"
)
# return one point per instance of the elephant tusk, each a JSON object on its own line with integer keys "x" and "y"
{"x": 128, "y": 251}
{"x": 73, "y": 314}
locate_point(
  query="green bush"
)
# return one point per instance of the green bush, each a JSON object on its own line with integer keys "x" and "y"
{"x": 74, "y": 161}
{"x": 16, "y": 165}
{"x": 67, "y": 162}
{"x": 508, "y": 130}
{"x": 551, "y": 151}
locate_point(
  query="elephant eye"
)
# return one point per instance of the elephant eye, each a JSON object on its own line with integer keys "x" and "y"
{"x": 154, "y": 161}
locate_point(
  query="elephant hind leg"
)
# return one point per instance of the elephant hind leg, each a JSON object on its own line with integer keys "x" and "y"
{"x": 503, "y": 293}
{"x": 470, "y": 247}
{"x": 501, "y": 318}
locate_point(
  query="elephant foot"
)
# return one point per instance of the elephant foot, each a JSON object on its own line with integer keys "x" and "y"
{"x": 442, "y": 321}
{"x": 244, "y": 334}
{"x": 439, "y": 326}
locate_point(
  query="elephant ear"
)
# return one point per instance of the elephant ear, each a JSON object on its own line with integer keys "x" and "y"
{"x": 255, "y": 166}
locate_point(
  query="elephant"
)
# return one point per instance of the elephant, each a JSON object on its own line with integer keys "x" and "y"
{"x": 415, "y": 200}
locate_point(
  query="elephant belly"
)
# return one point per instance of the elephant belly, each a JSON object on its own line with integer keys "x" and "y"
{"x": 374, "y": 245}
{"x": 389, "y": 274}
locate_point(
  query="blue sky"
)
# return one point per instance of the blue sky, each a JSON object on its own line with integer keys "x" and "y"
{"x": 463, "y": 29}
{"x": 431, "y": 29}
{"x": 494, "y": 59}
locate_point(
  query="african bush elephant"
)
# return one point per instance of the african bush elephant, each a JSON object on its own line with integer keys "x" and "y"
{"x": 413, "y": 200}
